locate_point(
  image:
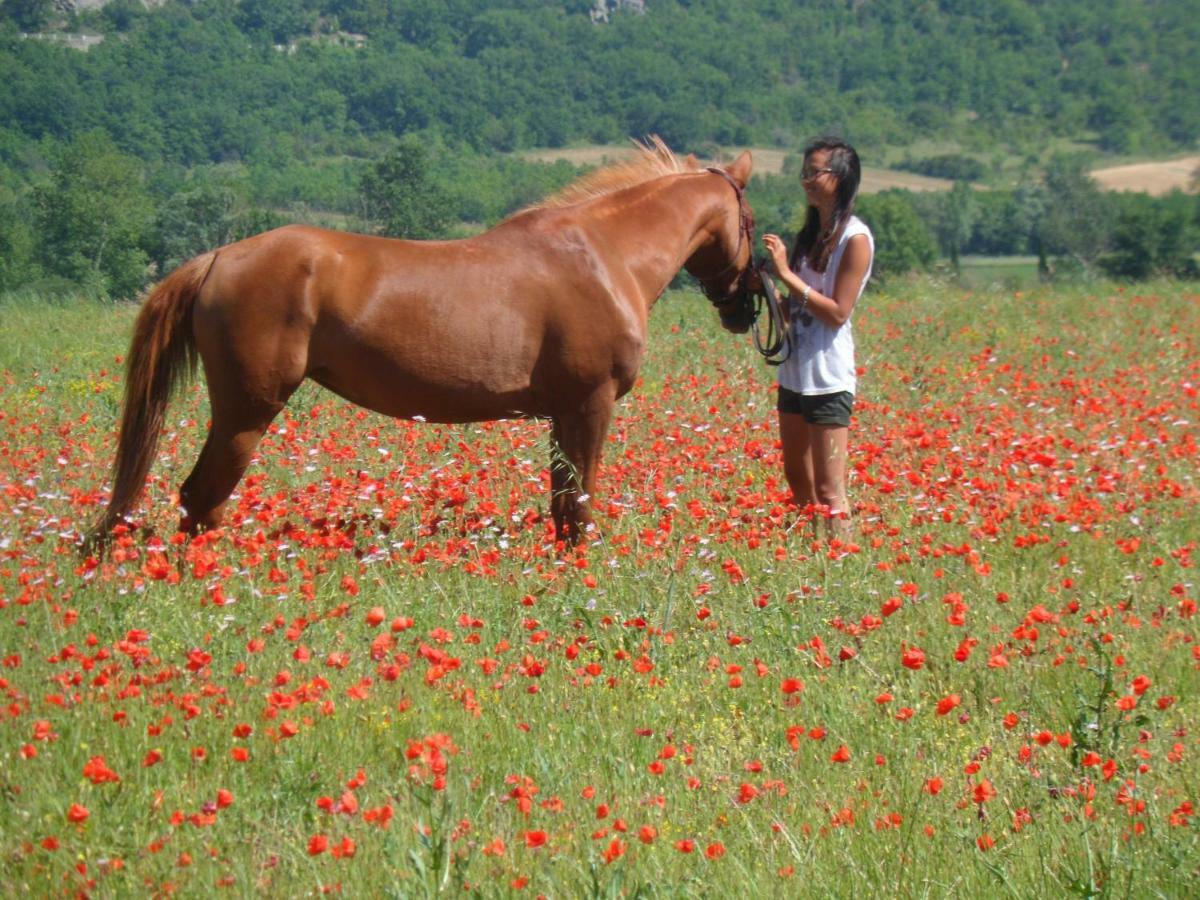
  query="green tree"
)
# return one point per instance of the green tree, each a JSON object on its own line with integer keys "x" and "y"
{"x": 17, "y": 241}
{"x": 902, "y": 241}
{"x": 1003, "y": 222}
{"x": 1075, "y": 224}
{"x": 92, "y": 214}
{"x": 1154, "y": 236}
{"x": 956, "y": 214}
{"x": 778, "y": 202}
{"x": 278, "y": 20}
{"x": 209, "y": 211}
{"x": 1119, "y": 118}
{"x": 123, "y": 15}
{"x": 400, "y": 197}
{"x": 28, "y": 15}
{"x": 365, "y": 16}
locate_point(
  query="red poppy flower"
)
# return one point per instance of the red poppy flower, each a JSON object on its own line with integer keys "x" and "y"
{"x": 984, "y": 791}
{"x": 913, "y": 658}
{"x": 535, "y": 839}
{"x": 948, "y": 703}
{"x": 615, "y": 850}
{"x": 96, "y": 770}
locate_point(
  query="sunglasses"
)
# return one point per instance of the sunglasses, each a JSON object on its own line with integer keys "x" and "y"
{"x": 811, "y": 174}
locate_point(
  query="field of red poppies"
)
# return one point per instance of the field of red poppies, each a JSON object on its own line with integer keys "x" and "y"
{"x": 381, "y": 679}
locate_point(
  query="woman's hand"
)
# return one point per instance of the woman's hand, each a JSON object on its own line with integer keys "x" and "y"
{"x": 778, "y": 250}
{"x": 779, "y": 261}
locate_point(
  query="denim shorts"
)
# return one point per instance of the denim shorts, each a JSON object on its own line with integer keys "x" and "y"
{"x": 818, "y": 409}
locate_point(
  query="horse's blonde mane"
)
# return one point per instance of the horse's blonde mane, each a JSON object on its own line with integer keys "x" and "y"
{"x": 654, "y": 159}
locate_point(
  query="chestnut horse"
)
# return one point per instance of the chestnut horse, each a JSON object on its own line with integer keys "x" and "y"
{"x": 542, "y": 316}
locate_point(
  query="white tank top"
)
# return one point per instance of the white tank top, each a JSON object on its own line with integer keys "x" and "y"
{"x": 822, "y": 358}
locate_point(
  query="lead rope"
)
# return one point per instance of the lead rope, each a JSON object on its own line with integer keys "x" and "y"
{"x": 776, "y": 346}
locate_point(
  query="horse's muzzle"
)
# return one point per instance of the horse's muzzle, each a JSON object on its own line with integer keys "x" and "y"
{"x": 739, "y": 315}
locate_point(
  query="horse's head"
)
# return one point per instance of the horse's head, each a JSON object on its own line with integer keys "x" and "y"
{"x": 725, "y": 266}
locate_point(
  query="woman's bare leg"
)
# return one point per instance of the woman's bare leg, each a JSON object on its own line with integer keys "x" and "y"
{"x": 795, "y": 436}
{"x": 829, "y": 446}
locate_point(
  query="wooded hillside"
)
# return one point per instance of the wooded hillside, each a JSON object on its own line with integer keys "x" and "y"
{"x": 221, "y": 80}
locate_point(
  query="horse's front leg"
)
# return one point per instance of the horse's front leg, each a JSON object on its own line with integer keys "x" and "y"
{"x": 578, "y": 442}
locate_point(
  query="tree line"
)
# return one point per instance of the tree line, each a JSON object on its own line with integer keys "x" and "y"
{"x": 1064, "y": 220}
{"x": 98, "y": 220}
{"x": 1057, "y": 214}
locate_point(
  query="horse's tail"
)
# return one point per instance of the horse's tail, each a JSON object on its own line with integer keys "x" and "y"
{"x": 162, "y": 352}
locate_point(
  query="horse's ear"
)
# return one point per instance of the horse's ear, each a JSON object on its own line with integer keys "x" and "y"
{"x": 740, "y": 168}
{"x": 690, "y": 162}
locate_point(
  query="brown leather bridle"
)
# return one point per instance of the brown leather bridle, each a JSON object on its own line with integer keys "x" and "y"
{"x": 739, "y": 308}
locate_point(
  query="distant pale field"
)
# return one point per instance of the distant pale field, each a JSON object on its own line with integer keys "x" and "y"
{"x": 1151, "y": 177}
{"x": 876, "y": 180}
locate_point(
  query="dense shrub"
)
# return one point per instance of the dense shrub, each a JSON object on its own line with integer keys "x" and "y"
{"x": 953, "y": 166}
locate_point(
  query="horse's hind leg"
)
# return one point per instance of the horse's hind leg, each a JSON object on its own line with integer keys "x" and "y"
{"x": 561, "y": 476}
{"x": 239, "y": 420}
{"x": 232, "y": 439}
{"x": 579, "y": 441}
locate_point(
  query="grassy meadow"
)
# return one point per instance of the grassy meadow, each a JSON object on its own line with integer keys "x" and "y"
{"x": 381, "y": 680}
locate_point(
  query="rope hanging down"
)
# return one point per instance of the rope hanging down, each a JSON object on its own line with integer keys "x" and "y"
{"x": 776, "y": 345}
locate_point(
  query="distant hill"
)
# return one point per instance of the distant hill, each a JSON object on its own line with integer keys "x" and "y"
{"x": 212, "y": 82}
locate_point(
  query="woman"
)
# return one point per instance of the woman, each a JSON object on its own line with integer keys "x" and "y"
{"x": 829, "y": 267}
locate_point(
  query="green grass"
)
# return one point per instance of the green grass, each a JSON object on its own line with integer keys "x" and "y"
{"x": 999, "y": 273}
{"x": 1024, "y": 478}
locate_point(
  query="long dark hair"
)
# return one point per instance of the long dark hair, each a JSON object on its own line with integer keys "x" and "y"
{"x": 811, "y": 240}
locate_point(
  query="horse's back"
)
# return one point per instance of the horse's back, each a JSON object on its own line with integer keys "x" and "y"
{"x": 510, "y": 322}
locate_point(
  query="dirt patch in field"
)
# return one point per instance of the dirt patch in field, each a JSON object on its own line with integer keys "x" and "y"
{"x": 1151, "y": 178}
{"x": 876, "y": 180}
{"x": 596, "y": 155}
{"x": 766, "y": 162}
